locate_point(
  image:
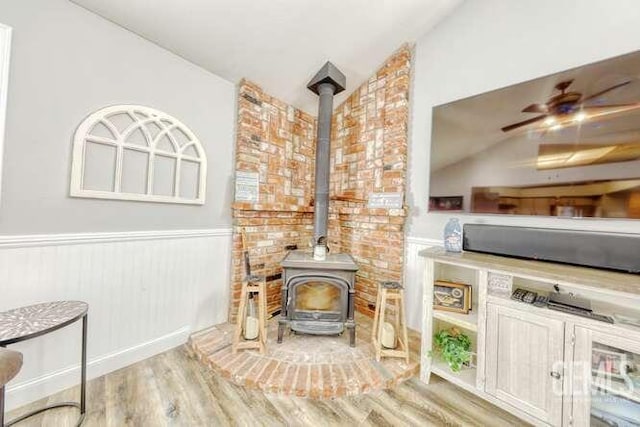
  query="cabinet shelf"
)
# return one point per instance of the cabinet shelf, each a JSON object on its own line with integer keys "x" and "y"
{"x": 620, "y": 390}
{"x": 466, "y": 321}
{"x": 465, "y": 379}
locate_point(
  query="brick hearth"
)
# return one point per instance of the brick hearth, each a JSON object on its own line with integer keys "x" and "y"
{"x": 304, "y": 365}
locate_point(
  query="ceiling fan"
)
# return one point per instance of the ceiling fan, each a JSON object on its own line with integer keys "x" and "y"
{"x": 565, "y": 106}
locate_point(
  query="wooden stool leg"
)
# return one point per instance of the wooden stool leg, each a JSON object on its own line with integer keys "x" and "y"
{"x": 397, "y": 324}
{"x": 403, "y": 320}
{"x": 262, "y": 314}
{"x": 376, "y": 316}
{"x": 240, "y": 319}
{"x": 383, "y": 307}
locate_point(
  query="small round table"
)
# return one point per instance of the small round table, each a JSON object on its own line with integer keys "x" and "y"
{"x": 24, "y": 323}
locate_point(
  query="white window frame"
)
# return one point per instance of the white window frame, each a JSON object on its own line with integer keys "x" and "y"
{"x": 5, "y": 54}
{"x": 83, "y": 135}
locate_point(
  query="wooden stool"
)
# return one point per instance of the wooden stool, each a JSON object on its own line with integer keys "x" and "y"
{"x": 257, "y": 287}
{"x": 387, "y": 292}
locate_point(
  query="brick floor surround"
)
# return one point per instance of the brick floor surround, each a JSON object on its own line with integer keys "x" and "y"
{"x": 368, "y": 154}
{"x": 319, "y": 367}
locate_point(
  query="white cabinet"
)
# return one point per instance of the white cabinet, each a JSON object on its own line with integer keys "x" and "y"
{"x": 525, "y": 354}
{"x": 547, "y": 367}
{"x": 606, "y": 379}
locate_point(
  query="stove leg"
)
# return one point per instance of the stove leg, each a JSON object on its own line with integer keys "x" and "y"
{"x": 352, "y": 334}
{"x": 281, "y": 326}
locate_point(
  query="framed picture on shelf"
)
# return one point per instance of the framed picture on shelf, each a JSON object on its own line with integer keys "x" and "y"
{"x": 448, "y": 203}
{"x": 450, "y": 296}
{"x": 609, "y": 363}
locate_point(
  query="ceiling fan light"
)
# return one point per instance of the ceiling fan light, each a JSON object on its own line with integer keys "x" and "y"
{"x": 580, "y": 116}
{"x": 549, "y": 120}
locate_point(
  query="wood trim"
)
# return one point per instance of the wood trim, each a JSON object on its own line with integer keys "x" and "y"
{"x": 30, "y": 240}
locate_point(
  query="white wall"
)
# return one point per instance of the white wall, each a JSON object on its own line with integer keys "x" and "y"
{"x": 5, "y": 49}
{"x": 147, "y": 290}
{"x": 489, "y": 44}
{"x": 67, "y": 62}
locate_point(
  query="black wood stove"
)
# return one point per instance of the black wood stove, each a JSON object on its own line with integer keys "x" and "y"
{"x": 318, "y": 292}
{"x": 318, "y": 296}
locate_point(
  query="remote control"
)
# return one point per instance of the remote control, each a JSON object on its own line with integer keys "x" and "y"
{"x": 541, "y": 301}
{"x": 518, "y": 294}
{"x": 529, "y": 297}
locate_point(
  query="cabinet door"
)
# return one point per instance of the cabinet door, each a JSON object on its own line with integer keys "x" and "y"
{"x": 606, "y": 380}
{"x": 525, "y": 361}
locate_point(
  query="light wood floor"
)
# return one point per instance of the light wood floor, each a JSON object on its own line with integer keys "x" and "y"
{"x": 174, "y": 389}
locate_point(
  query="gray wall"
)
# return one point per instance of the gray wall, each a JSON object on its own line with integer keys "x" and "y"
{"x": 66, "y": 63}
{"x": 489, "y": 44}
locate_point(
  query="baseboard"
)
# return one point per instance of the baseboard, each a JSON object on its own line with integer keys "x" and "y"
{"x": 28, "y": 391}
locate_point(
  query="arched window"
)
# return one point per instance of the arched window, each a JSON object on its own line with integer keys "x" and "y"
{"x": 131, "y": 152}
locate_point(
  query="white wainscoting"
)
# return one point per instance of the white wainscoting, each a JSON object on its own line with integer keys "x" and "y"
{"x": 413, "y": 278}
{"x": 147, "y": 291}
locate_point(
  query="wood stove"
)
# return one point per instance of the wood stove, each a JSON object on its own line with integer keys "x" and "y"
{"x": 318, "y": 291}
{"x": 318, "y": 296}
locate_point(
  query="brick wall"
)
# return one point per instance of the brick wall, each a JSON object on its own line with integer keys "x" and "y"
{"x": 277, "y": 141}
{"x": 369, "y": 154}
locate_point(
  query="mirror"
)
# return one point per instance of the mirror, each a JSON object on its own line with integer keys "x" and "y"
{"x": 563, "y": 145}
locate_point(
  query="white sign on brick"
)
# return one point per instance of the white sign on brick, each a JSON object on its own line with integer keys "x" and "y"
{"x": 385, "y": 201}
{"x": 247, "y": 186}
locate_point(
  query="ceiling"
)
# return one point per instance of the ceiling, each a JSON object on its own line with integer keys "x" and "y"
{"x": 469, "y": 126}
{"x": 279, "y": 44}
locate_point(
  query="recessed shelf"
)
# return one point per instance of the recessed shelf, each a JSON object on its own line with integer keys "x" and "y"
{"x": 465, "y": 378}
{"x": 466, "y": 321}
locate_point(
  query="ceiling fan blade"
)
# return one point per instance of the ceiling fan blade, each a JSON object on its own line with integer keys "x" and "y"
{"x": 602, "y": 92}
{"x": 523, "y": 123}
{"x": 610, "y": 107}
{"x": 536, "y": 108}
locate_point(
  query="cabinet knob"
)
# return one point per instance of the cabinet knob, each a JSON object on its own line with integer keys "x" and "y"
{"x": 555, "y": 375}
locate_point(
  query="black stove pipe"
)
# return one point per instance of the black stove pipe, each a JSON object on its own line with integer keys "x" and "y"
{"x": 328, "y": 82}
{"x": 323, "y": 150}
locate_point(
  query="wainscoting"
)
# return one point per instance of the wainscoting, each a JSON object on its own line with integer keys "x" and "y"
{"x": 147, "y": 291}
{"x": 413, "y": 278}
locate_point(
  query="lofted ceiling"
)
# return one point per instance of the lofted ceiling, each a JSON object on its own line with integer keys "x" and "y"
{"x": 279, "y": 44}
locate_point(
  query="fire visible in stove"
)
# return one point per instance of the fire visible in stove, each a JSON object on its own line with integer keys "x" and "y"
{"x": 318, "y": 296}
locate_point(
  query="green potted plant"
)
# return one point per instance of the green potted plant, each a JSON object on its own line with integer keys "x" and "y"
{"x": 454, "y": 347}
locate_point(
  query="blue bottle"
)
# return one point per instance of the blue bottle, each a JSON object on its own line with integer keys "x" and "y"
{"x": 453, "y": 236}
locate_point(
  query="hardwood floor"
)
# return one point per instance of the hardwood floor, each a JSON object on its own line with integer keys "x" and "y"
{"x": 174, "y": 389}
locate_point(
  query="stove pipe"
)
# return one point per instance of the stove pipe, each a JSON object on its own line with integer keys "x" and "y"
{"x": 328, "y": 82}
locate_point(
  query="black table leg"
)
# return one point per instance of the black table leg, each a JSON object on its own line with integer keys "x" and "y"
{"x": 83, "y": 379}
{"x": 83, "y": 389}
{"x": 2, "y": 406}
